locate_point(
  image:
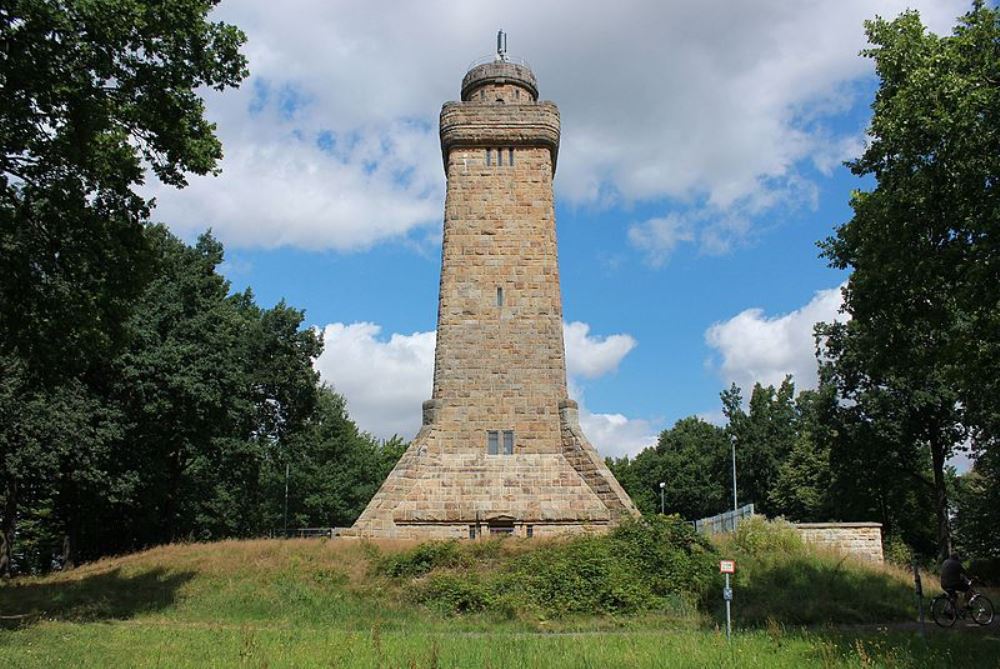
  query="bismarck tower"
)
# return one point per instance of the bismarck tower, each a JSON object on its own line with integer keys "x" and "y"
{"x": 500, "y": 450}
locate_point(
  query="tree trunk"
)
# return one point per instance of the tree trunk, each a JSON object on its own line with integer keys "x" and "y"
{"x": 941, "y": 500}
{"x": 8, "y": 524}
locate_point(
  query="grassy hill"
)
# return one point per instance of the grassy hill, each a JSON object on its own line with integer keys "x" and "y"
{"x": 586, "y": 602}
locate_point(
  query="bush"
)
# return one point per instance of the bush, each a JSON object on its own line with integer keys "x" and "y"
{"x": 668, "y": 553}
{"x": 758, "y": 536}
{"x": 897, "y": 552}
{"x": 986, "y": 570}
{"x": 422, "y": 559}
{"x": 454, "y": 593}
{"x": 579, "y": 576}
{"x": 643, "y": 564}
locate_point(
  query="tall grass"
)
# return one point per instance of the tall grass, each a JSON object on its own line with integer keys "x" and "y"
{"x": 779, "y": 577}
{"x": 644, "y": 596}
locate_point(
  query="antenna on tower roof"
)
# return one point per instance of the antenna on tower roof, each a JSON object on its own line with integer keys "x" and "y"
{"x": 501, "y": 45}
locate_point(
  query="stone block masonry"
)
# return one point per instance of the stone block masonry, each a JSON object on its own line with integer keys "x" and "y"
{"x": 501, "y": 449}
{"x": 860, "y": 540}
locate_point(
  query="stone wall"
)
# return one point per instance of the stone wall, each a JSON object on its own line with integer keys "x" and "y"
{"x": 860, "y": 540}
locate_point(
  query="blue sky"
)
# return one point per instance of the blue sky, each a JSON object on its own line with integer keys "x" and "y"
{"x": 700, "y": 164}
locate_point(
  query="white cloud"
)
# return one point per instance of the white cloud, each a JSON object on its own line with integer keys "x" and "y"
{"x": 590, "y": 357}
{"x": 755, "y": 347}
{"x": 615, "y": 435}
{"x": 712, "y": 105}
{"x": 386, "y": 380}
{"x": 658, "y": 237}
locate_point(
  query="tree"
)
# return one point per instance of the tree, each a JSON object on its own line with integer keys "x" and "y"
{"x": 920, "y": 349}
{"x": 213, "y": 386}
{"x": 334, "y": 469}
{"x": 95, "y": 94}
{"x": 692, "y": 458}
{"x": 977, "y": 517}
{"x": 801, "y": 490}
{"x": 764, "y": 438}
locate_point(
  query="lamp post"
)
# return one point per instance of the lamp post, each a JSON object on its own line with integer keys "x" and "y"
{"x": 732, "y": 442}
{"x": 663, "y": 485}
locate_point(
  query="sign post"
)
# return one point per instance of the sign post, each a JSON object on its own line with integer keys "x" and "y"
{"x": 728, "y": 567}
{"x": 919, "y": 590}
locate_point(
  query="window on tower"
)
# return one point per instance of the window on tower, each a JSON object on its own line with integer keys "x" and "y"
{"x": 499, "y": 296}
{"x": 489, "y": 157}
{"x": 497, "y": 440}
{"x": 510, "y": 160}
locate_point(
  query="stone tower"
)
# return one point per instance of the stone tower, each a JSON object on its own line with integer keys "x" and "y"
{"x": 500, "y": 450}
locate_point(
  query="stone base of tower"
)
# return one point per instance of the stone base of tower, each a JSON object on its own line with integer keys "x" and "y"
{"x": 434, "y": 494}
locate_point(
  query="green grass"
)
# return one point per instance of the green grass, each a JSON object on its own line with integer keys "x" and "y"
{"x": 783, "y": 579}
{"x": 351, "y": 604}
{"x": 162, "y": 645}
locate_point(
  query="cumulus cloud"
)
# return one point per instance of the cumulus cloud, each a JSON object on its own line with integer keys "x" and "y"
{"x": 755, "y": 347}
{"x": 386, "y": 380}
{"x": 591, "y": 356}
{"x": 713, "y": 107}
{"x": 615, "y": 435}
{"x": 658, "y": 237}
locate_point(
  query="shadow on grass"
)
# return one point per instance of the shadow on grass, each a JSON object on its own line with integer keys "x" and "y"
{"x": 907, "y": 648}
{"x": 804, "y": 590}
{"x": 105, "y": 596}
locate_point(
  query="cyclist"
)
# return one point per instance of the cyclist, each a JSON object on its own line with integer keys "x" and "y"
{"x": 954, "y": 578}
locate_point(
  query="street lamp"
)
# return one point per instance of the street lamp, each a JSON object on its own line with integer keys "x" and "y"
{"x": 663, "y": 485}
{"x": 732, "y": 442}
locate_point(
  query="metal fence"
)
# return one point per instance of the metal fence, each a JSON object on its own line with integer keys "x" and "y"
{"x": 723, "y": 522}
{"x": 304, "y": 533}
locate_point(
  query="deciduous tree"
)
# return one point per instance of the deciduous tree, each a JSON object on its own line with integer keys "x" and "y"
{"x": 921, "y": 348}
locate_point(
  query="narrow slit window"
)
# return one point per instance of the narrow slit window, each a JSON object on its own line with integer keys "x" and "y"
{"x": 489, "y": 157}
{"x": 493, "y": 443}
{"x": 472, "y": 531}
{"x": 508, "y": 442}
{"x": 517, "y": 93}
{"x": 510, "y": 154}
{"x": 499, "y": 296}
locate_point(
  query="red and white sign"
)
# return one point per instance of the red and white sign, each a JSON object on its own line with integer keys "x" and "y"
{"x": 727, "y": 566}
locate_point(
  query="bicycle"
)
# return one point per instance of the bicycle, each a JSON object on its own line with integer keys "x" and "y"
{"x": 945, "y": 609}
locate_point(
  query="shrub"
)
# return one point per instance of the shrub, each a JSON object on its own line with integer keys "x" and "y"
{"x": 422, "y": 559}
{"x": 897, "y": 552}
{"x": 667, "y": 552}
{"x": 643, "y": 564}
{"x": 455, "y": 593}
{"x": 581, "y": 575}
{"x": 758, "y": 536}
{"x": 986, "y": 570}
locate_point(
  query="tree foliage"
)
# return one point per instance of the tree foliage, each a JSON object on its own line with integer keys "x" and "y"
{"x": 918, "y": 357}
{"x": 764, "y": 437}
{"x": 692, "y": 459}
{"x": 95, "y": 93}
{"x": 186, "y": 432}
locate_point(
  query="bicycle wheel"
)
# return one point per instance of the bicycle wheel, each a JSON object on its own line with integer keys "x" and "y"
{"x": 943, "y": 611}
{"x": 981, "y": 610}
